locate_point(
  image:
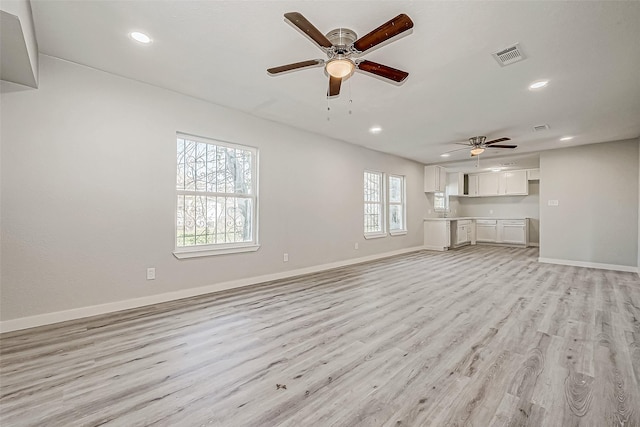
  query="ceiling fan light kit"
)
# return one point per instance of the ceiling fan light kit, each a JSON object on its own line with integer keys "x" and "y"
{"x": 340, "y": 68}
{"x": 343, "y": 49}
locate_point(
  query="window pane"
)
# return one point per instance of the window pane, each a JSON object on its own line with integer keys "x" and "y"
{"x": 372, "y": 218}
{"x": 372, "y": 186}
{"x": 439, "y": 201}
{"x": 395, "y": 189}
{"x": 189, "y": 164}
{"x": 203, "y": 220}
{"x": 395, "y": 217}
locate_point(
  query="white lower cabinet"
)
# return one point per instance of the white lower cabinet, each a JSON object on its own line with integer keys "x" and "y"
{"x": 486, "y": 230}
{"x": 514, "y": 231}
{"x": 437, "y": 235}
{"x": 441, "y": 235}
{"x": 463, "y": 232}
{"x": 511, "y": 231}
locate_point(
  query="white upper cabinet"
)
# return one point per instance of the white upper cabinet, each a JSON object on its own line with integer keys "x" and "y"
{"x": 455, "y": 184}
{"x": 489, "y": 184}
{"x": 508, "y": 183}
{"x": 435, "y": 179}
{"x": 514, "y": 183}
{"x": 473, "y": 186}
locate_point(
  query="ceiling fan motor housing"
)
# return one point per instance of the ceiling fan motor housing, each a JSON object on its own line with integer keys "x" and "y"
{"x": 342, "y": 38}
{"x": 477, "y": 140}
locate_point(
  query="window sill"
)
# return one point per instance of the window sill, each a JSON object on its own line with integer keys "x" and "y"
{"x": 375, "y": 235}
{"x": 398, "y": 233}
{"x": 196, "y": 253}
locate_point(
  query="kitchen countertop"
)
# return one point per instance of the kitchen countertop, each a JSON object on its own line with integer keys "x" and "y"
{"x": 456, "y": 218}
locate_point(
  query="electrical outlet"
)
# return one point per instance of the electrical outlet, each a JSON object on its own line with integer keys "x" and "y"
{"x": 356, "y": 246}
{"x": 151, "y": 273}
{"x": 490, "y": 211}
{"x": 285, "y": 258}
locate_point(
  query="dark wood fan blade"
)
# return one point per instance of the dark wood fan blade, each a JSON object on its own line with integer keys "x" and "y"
{"x": 296, "y": 19}
{"x": 382, "y": 71}
{"x": 502, "y": 146}
{"x": 334, "y": 86}
{"x": 296, "y": 66}
{"x": 392, "y": 28}
{"x": 497, "y": 140}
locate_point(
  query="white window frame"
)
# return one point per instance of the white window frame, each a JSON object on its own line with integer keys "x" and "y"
{"x": 402, "y": 204}
{"x": 381, "y": 203}
{"x": 193, "y": 251}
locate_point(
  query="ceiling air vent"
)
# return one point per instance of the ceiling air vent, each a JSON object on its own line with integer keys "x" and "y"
{"x": 509, "y": 55}
{"x": 540, "y": 128}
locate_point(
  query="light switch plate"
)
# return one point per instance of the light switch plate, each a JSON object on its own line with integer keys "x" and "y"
{"x": 553, "y": 203}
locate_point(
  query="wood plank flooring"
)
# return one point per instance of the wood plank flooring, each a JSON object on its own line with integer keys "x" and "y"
{"x": 478, "y": 336}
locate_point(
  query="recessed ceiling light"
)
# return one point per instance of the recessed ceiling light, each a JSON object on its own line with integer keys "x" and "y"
{"x": 566, "y": 138}
{"x": 140, "y": 37}
{"x": 495, "y": 169}
{"x": 538, "y": 85}
{"x": 375, "y": 129}
{"x": 445, "y": 155}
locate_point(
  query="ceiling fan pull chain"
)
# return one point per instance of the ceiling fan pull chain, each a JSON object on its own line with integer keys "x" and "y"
{"x": 328, "y": 109}
{"x": 350, "y": 98}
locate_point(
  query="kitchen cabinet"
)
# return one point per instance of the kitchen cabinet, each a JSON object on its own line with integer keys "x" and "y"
{"x": 442, "y": 234}
{"x": 488, "y": 184}
{"x": 471, "y": 185}
{"x": 508, "y": 183}
{"x": 455, "y": 184}
{"x": 533, "y": 174}
{"x": 437, "y": 234}
{"x": 435, "y": 179}
{"x": 486, "y": 230}
{"x": 514, "y": 183}
{"x": 463, "y": 232}
{"x": 513, "y": 231}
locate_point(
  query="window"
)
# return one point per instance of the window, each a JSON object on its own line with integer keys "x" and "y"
{"x": 440, "y": 202}
{"x": 373, "y": 205}
{"x": 216, "y": 188}
{"x": 397, "y": 206}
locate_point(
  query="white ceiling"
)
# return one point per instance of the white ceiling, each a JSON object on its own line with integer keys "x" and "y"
{"x": 219, "y": 51}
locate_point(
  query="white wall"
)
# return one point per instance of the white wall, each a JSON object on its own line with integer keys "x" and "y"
{"x": 88, "y": 199}
{"x": 506, "y": 207}
{"x": 596, "y": 220}
{"x": 22, "y": 10}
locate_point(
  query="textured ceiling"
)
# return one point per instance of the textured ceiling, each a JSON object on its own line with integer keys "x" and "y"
{"x": 219, "y": 51}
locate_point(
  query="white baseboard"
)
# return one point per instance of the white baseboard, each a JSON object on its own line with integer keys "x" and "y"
{"x": 94, "y": 310}
{"x": 434, "y": 248}
{"x": 535, "y": 245}
{"x": 600, "y": 266}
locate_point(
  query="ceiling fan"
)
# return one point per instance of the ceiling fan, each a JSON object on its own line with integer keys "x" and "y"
{"x": 342, "y": 48}
{"x": 479, "y": 143}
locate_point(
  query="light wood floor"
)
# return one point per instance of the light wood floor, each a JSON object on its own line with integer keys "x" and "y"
{"x": 480, "y": 336}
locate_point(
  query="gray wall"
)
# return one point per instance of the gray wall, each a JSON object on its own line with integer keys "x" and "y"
{"x": 507, "y": 207}
{"x": 596, "y": 219}
{"x": 88, "y": 193}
